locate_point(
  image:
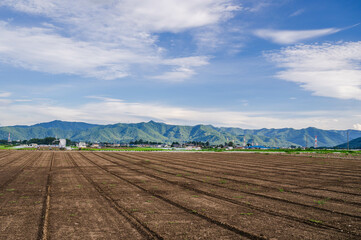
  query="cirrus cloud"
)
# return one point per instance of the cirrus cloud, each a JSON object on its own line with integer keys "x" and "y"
{"x": 42, "y": 49}
{"x": 104, "y": 39}
{"x": 293, "y": 36}
{"x": 328, "y": 70}
{"x": 5, "y": 94}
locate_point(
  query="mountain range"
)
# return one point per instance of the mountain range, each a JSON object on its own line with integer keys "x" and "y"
{"x": 161, "y": 132}
{"x": 353, "y": 144}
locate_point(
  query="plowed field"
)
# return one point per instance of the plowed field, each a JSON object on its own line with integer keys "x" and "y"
{"x": 161, "y": 195}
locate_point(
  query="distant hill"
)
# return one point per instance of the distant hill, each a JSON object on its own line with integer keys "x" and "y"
{"x": 353, "y": 144}
{"x": 161, "y": 132}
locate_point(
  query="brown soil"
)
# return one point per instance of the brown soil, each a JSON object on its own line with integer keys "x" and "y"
{"x": 75, "y": 195}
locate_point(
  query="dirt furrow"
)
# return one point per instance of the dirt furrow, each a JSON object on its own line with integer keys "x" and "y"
{"x": 180, "y": 206}
{"x": 12, "y": 158}
{"x": 271, "y": 193}
{"x": 291, "y": 167}
{"x": 253, "y": 182}
{"x": 16, "y": 171}
{"x": 44, "y": 222}
{"x": 254, "y": 174}
{"x": 280, "y": 209}
{"x": 226, "y": 201}
{"x": 20, "y": 202}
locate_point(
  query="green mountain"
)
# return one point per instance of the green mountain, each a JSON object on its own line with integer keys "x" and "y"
{"x": 353, "y": 144}
{"x": 160, "y": 132}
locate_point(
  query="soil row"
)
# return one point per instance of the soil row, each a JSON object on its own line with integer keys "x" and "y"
{"x": 220, "y": 208}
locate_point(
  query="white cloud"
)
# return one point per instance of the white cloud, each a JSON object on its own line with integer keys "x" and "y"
{"x": 187, "y": 61}
{"x": 328, "y": 70}
{"x": 183, "y": 68}
{"x": 293, "y": 36}
{"x": 297, "y": 13}
{"x": 5, "y": 94}
{"x": 128, "y": 23}
{"x": 5, "y": 101}
{"x": 43, "y": 50}
{"x": 23, "y": 100}
{"x": 104, "y": 39}
{"x": 177, "y": 75}
{"x": 108, "y": 110}
{"x": 256, "y": 6}
{"x": 357, "y": 126}
{"x": 145, "y": 15}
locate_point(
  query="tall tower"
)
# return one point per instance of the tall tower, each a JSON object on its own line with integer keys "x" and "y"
{"x": 315, "y": 141}
{"x": 9, "y": 138}
{"x": 244, "y": 141}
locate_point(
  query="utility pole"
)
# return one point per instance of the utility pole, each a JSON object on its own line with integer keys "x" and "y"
{"x": 9, "y": 138}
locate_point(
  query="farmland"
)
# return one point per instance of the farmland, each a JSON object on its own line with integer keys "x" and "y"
{"x": 165, "y": 195}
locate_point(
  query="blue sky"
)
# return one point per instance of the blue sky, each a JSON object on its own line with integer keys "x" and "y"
{"x": 240, "y": 63}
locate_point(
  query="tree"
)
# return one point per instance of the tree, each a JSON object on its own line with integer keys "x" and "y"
{"x": 230, "y": 144}
{"x": 174, "y": 143}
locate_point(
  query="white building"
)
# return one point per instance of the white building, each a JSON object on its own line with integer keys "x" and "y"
{"x": 81, "y": 145}
{"x": 62, "y": 143}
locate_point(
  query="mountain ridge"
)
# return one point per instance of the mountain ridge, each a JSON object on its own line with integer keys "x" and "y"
{"x": 161, "y": 132}
{"x": 353, "y": 144}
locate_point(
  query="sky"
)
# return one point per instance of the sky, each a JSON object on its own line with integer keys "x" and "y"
{"x": 234, "y": 63}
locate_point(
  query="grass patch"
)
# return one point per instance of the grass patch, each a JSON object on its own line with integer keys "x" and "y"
{"x": 12, "y": 202}
{"x": 179, "y": 175}
{"x": 281, "y": 190}
{"x": 72, "y": 214}
{"x": 322, "y": 201}
{"x": 247, "y": 214}
{"x": 172, "y": 222}
{"x": 5, "y": 147}
{"x": 222, "y": 181}
{"x": 319, "y": 202}
{"x": 315, "y": 221}
{"x": 10, "y": 190}
{"x": 1, "y": 194}
{"x": 195, "y": 196}
{"x": 143, "y": 149}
